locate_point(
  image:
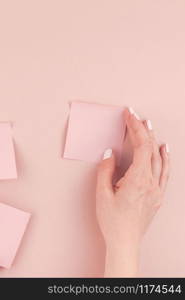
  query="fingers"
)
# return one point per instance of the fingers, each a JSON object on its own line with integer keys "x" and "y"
{"x": 164, "y": 152}
{"x": 147, "y": 155}
{"x": 105, "y": 173}
{"x": 139, "y": 139}
{"x": 156, "y": 157}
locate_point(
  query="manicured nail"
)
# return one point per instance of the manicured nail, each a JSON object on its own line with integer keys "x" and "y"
{"x": 137, "y": 117}
{"x": 107, "y": 153}
{"x": 132, "y": 112}
{"x": 167, "y": 148}
{"x": 149, "y": 124}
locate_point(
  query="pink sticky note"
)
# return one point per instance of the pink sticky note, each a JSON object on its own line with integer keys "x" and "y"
{"x": 93, "y": 128}
{"x": 13, "y": 223}
{"x": 7, "y": 156}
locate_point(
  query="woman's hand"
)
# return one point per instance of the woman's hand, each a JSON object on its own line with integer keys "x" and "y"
{"x": 125, "y": 210}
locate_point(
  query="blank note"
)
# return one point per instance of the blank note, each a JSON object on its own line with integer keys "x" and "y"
{"x": 93, "y": 128}
{"x": 7, "y": 154}
{"x": 13, "y": 223}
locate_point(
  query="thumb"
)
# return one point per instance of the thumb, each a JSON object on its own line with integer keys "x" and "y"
{"x": 105, "y": 172}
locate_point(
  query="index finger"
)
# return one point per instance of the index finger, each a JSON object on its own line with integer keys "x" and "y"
{"x": 139, "y": 138}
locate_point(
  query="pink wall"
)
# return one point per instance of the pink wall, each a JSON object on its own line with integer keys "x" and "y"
{"x": 123, "y": 52}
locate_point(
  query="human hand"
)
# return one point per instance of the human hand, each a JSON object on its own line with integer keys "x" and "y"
{"x": 125, "y": 210}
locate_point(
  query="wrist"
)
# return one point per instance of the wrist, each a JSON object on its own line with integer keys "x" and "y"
{"x": 122, "y": 261}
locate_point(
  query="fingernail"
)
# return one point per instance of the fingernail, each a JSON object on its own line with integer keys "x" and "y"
{"x": 167, "y": 148}
{"x": 149, "y": 124}
{"x": 107, "y": 153}
{"x": 132, "y": 112}
{"x": 137, "y": 117}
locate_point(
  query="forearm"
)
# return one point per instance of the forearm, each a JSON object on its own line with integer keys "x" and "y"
{"x": 122, "y": 262}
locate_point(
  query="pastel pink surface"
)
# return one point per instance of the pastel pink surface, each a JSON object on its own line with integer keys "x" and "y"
{"x": 7, "y": 155}
{"x": 116, "y": 52}
{"x": 92, "y": 129}
{"x": 13, "y": 223}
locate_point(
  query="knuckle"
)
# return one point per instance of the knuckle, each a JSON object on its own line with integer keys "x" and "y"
{"x": 146, "y": 145}
{"x": 166, "y": 176}
{"x": 146, "y": 184}
{"x": 165, "y": 172}
{"x": 158, "y": 204}
{"x": 103, "y": 166}
{"x": 152, "y": 185}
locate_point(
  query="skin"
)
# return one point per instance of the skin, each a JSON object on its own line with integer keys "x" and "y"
{"x": 125, "y": 210}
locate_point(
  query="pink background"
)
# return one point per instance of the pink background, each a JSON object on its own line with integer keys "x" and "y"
{"x": 111, "y": 52}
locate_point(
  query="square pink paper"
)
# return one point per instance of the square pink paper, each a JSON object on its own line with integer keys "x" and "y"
{"x": 13, "y": 223}
{"x": 7, "y": 155}
{"x": 93, "y": 128}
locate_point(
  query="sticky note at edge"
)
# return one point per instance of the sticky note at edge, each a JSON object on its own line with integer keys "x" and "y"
{"x": 6, "y": 262}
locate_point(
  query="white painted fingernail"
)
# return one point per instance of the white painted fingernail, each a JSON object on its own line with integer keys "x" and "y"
{"x": 167, "y": 148}
{"x": 137, "y": 117}
{"x": 149, "y": 124}
{"x": 107, "y": 153}
{"x": 132, "y": 112}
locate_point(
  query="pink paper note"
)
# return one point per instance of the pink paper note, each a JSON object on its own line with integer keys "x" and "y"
{"x": 13, "y": 223}
{"x": 93, "y": 128}
{"x": 7, "y": 155}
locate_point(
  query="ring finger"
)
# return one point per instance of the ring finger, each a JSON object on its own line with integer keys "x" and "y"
{"x": 156, "y": 157}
